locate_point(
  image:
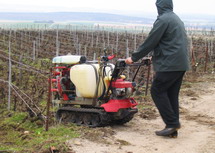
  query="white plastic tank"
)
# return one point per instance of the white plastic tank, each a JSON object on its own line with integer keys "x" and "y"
{"x": 67, "y": 59}
{"x": 84, "y": 78}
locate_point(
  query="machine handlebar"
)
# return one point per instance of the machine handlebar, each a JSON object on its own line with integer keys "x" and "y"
{"x": 145, "y": 61}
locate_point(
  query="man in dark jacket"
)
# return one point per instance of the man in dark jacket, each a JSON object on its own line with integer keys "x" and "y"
{"x": 168, "y": 42}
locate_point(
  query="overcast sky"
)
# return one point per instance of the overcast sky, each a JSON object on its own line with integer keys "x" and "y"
{"x": 109, "y": 6}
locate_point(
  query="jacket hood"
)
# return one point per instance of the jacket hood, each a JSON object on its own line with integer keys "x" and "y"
{"x": 164, "y": 6}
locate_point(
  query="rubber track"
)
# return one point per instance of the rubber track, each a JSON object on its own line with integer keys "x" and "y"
{"x": 104, "y": 118}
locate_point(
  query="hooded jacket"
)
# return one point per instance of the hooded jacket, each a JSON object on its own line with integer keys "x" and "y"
{"x": 167, "y": 40}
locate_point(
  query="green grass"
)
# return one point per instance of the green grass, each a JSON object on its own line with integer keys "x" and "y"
{"x": 143, "y": 106}
{"x": 19, "y": 134}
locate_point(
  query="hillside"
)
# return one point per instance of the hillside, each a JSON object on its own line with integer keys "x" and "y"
{"x": 74, "y": 16}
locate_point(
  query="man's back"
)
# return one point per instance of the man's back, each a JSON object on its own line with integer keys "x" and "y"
{"x": 171, "y": 53}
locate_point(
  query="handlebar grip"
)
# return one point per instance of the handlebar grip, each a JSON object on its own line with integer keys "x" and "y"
{"x": 111, "y": 57}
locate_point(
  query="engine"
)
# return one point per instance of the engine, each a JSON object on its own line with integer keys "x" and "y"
{"x": 122, "y": 89}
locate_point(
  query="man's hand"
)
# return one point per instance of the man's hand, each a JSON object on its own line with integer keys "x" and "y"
{"x": 128, "y": 61}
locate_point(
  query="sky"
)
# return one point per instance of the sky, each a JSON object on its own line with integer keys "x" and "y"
{"x": 205, "y": 7}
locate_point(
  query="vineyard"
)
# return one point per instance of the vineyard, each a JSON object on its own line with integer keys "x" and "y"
{"x": 26, "y": 54}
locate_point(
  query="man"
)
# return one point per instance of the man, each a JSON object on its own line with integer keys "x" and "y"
{"x": 170, "y": 59}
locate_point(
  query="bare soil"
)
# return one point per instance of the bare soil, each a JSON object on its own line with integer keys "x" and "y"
{"x": 197, "y": 135}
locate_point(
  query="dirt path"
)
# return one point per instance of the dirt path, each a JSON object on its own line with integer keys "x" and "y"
{"x": 197, "y": 134}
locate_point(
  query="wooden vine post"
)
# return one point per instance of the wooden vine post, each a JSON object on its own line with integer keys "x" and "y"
{"x": 57, "y": 42}
{"x": 206, "y": 56}
{"x": 48, "y": 100}
{"x": 9, "y": 77}
{"x": 148, "y": 77}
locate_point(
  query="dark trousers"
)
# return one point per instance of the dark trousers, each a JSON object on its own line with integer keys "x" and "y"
{"x": 165, "y": 91}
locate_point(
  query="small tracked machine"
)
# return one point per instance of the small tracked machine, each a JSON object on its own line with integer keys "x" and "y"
{"x": 92, "y": 93}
